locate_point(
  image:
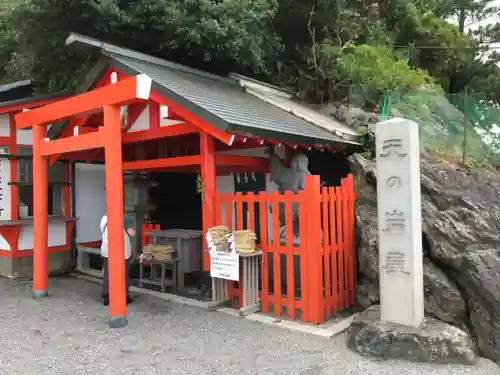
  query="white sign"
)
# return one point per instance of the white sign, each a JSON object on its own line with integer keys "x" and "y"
{"x": 4, "y": 187}
{"x": 225, "y": 265}
{"x": 399, "y": 222}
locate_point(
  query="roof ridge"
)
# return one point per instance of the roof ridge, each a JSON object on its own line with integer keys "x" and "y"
{"x": 108, "y": 49}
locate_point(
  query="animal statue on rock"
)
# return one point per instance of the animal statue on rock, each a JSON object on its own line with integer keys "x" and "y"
{"x": 289, "y": 179}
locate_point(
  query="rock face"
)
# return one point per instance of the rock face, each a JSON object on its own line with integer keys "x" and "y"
{"x": 461, "y": 238}
{"x": 434, "y": 341}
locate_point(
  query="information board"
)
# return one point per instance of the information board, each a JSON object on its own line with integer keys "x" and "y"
{"x": 225, "y": 265}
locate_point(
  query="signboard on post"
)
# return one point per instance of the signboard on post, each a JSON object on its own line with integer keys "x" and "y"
{"x": 224, "y": 264}
{"x": 399, "y": 222}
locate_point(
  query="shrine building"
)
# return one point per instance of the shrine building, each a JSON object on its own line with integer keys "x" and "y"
{"x": 181, "y": 150}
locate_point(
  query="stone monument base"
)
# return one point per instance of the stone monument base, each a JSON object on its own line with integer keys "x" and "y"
{"x": 434, "y": 341}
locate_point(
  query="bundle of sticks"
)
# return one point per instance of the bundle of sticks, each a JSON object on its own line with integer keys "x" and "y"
{"x": 243, "y": 241}
{"x": 217, "y": 237}
{"x": 156, "y": 252}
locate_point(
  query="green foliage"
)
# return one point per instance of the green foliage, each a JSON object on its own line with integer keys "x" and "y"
{"x": 210, "y": 34}
{"x": 359, "y": 62}
{"x": 323, "y": 48}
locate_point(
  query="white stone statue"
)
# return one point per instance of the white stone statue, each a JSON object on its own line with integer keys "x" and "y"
{"x": 291, "y": 179}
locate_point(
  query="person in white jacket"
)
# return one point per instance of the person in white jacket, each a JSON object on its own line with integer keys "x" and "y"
{"x": 129, "y": 232}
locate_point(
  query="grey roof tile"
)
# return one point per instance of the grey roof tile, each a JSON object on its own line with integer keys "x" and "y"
{"x": 226, "y": 100}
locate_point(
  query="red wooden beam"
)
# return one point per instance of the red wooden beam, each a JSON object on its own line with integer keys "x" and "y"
{"x": 238, "y": 145}
{"x": 71, "y": 144}
{"x": 193, "y": 119}
{"x": 134, "y": 111}
{"x": 121, "y": 93}
{"x": 28, "y": 105}
{"x": 161, "y": 163}
{"x": 163, "y": 132}
{"x": 242, "y": 161}
{"x": 225, "y": 170}
{"x": 154, "y": 115}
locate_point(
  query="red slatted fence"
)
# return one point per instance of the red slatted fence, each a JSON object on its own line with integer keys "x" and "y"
{"x": 314, "y": 274}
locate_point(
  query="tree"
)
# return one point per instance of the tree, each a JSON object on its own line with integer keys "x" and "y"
{"x": 319, "y": 46}
{"x": 210, "y": 34}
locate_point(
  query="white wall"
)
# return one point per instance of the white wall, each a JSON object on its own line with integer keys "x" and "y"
{"x": 57, "y": 235}
{"x": 90, "y": 203}
{"x": 4, "y": 125}
{"x": 4, "y": 187}
{"x": 24, "y": 137}
{"x": 142, "y": 122}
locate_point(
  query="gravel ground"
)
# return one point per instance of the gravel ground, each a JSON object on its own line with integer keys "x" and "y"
{"x": 67, "y": 333}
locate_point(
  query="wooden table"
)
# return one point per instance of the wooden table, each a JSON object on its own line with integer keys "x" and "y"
{"x": 162, "y": 281}
{"x": 178, "y": 239}
{"x": 250, "y": 281}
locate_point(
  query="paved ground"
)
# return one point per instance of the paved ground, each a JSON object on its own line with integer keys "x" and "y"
{"x": 67, "y": 334}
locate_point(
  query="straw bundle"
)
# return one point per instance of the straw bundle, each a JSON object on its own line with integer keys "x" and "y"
{"x": 157, "y": 252}
{"x": 218, "y": 236}
{"x": 243, "y": 241}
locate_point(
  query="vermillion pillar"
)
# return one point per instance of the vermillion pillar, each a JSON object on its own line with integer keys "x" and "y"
{"x": 114, "y": 206}
{"x": 40, "y": 215}
{"x": 208, "y": 176}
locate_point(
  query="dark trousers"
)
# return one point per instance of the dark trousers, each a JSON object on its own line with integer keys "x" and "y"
{"x": 105, "y": 277}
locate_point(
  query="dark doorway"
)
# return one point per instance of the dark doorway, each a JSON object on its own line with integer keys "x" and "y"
{"x": 178, "y": 204}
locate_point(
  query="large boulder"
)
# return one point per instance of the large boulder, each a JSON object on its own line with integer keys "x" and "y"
{"x": 461, "y": 235}
{"x": 433, "y": 342}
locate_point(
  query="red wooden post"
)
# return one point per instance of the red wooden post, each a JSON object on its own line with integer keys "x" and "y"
{"x": 154, "y": 115}
{"x": 264, "y": 244}
{"x": 334, "y": 246}
{"x": 114, "y": 205}
{"x": 352, "y": 241}
{"x": 313, "y": 244}
{"x": 275, "y": 249}
{"x": 339, "y": 206}
{"x": 327, "y": 249}
{"x": 289, "y": 246}
{"x": 14, "y": 193}
{"x": 208, "y": 176}
{"x": 40, "y": 215}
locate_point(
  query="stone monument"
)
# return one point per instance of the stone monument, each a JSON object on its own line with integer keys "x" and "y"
{"x": 399, "y": 222}
{"x": 398, "y": 329}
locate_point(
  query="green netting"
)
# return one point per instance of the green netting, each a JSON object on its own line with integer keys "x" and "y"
{"x": 458, "y": 126}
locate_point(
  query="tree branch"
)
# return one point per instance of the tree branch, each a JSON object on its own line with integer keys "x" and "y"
{"x": 312, "y": 33}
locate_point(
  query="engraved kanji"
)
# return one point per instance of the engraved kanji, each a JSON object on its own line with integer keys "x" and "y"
{"x": 395, "y": 222}
{"x": 393, "y": 146}
{"x": 395, "y": 264}
{"x": 393, "y": 182}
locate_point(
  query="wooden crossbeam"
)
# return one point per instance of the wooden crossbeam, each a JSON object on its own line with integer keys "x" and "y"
{"x": 125, "y": 92}
{"x": 180, "y": 161}
{"x": 83, "y": 142}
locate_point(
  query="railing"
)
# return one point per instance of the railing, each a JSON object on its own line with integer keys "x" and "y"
{"x": 312, "y": 274}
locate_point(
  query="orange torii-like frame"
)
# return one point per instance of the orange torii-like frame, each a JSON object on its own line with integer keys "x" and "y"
{"x": 109, "y": 99}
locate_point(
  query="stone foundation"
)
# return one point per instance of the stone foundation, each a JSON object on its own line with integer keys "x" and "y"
{"x": 14, "y": 268}
{"x": 433, "y": 342}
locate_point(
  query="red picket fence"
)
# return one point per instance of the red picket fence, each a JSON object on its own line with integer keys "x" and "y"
{"x": 314, "y": 274}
